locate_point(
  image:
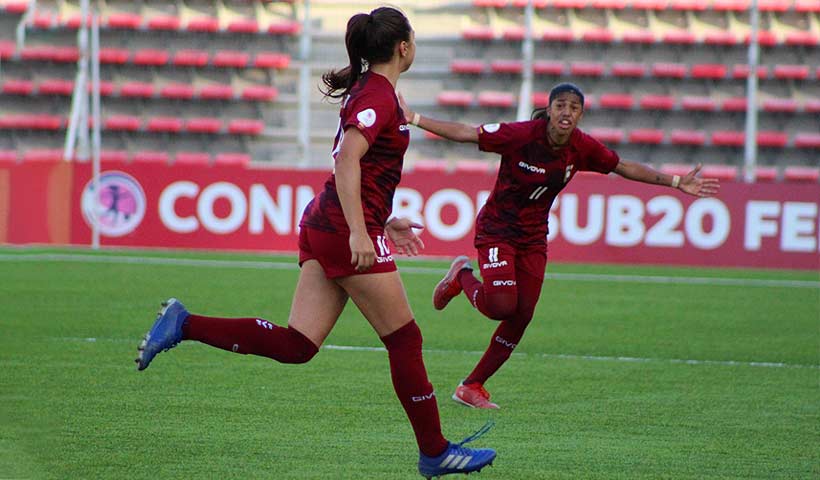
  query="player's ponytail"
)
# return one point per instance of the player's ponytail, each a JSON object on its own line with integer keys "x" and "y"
{"x": 370, "y": 39}
{"x": 539, "y": 113}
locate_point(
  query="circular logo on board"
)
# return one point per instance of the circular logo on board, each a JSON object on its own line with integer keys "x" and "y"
{"x": 119, "y": 205}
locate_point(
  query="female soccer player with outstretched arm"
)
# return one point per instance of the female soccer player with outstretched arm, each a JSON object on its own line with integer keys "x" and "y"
{"x": 343, "y": 252}
{"x": 538, "y": 158}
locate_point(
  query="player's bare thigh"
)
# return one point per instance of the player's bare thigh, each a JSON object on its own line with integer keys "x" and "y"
{"x": 317, "y": 303}
{"x": 381, "y": 299}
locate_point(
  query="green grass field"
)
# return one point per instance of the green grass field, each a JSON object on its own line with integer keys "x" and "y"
{"x": 574, "y": 406}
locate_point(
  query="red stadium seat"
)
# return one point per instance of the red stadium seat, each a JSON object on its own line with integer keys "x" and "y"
{"x": 232, "y": 158}
{"x": 698, "y": 104}
{"x": 569, "y": 3}
{"x": 772, "y": 139}
{"x": 723, "y": 38}
{"x": 679, "y": 37}
{"x": 733, "y": 104}
{"x": 649, "y": 136}
{"x": 742, "y": 71}
{"x": 44, "y": 20}
{"x": 177, "y": 91}
{"x": 203, "y": 24}
{"x": 468, "y": 66}
{"x": 687, "y": 137}
{"x": 271, "y": 60}
{"x": 106, "y": 88}
{"x": 728, "y": 138}
{"x": 620, "y": 101}
{"x": 74, "y": 21}
{"x": 36, "y": 52}
{"x": 773, "y": 5}
{"x": 124, "y": 20}
{"x": 535, "y": 3}
{"x": 793, "y": 72}
{"x": 688, "y": 5}
{"x": 676, "y": 169}
{"x": 812, "y": 105}
{"x": 285, "y": 28}
{"x": 807, "y": 6}
{"x": 721, "y": 172}
{"x": 496, "y": 99}
{"x": 506, "y": 66}
{"x": 548, "y": 67}
{"x": 164, "y": 124}
{"x": 764, "y": 38}
{"x": 246, "y": 126}
{"x": 114, "y": 56}
{"x": 190, "y": 58}
{"x": 137, "y": 90}
{"x": 540, "y": 99}
{"x": 802, "y": 39}
{"x": 150, "y": 156}
{"x": 243, "y": 25}
{"x": 669, "y": 70}
{"x": 150, "y": 57}
{"x": 478, "y": 33}
{"x": 628, "y": 69}
{"x": 230, "y": 59}
{"x": 15, "y": 7}
{"x": 489, "y": 3}
{"x": 598, "y": 35}
{"x": 18, "y": 87}
{"x": 480, "y": 166}
{"x": 609, "y": 4}
{"x": 65, "y": 54}
{"x": 114, "y": 156}
{"x": 644, "y": 37}
{"x": 8, "y": 157}
{"x": 260, "y": 93}
{"x": 202, "y": 159}
{"x": 558, "y": 35}
{"x": 56, "y": 86}
{"x": 163, "y": 22}
{"x": 514, "y": 34}
{"x": 430, "y": 165}
{"x": 587, "y": 69}
{"x": 7, "y": 49}
{"x": 203, "y": 125}
{"x": 43, "y": 155}
{"x": 780, "y": 105}
{"x": 731, "y": 5}
{"x": 607, "y": 135}
{"x": 807, "y": 140}
{"x": 216, "y": 92}
{"x": 650, "y": 4}
{"x": 765, "y": 174}
{"x": 128, "y": 123}
{"x": 657, "y": 102}
{"x": 455, "y": 98}
{"x": 708, "y": 70}
{"x": 801, "y": 174}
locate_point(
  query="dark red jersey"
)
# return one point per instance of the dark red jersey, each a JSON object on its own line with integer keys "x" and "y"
{"x": 529, "y": 178}
{"x": 373, "y": 108}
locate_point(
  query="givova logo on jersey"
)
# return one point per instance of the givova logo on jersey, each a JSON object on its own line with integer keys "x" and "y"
{"x": 384, "y": 250}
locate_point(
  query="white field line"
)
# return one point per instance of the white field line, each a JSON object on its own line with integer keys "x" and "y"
{"x": 263, "y": 265}
{"x": 557, "y": 356}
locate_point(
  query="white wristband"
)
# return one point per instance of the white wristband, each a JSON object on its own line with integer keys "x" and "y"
{"x": 675, "y": 181}
{"x": 416, "y": 118}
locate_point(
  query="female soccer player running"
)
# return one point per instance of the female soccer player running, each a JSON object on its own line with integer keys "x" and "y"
{"x": 538, "y": 158}
{"x": 343, "y": 252}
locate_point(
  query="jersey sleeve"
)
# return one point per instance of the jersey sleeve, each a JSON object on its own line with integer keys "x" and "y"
{"x": 503, "y": 137}
{"x": 369, "y": 112}
{"x": 599, "y": 158}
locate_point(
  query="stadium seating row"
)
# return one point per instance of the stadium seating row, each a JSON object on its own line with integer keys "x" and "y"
{"x": 626, "y": 101}
{"x": 683, "y": 5}
{"x": 133, "y": 123}
{"x": 124, "y": 156}
{"x": 699, "y": 138}
{"x": 149, "y": 57}
{"x": 706, "y": 71}
{"x": 133, "y": 89}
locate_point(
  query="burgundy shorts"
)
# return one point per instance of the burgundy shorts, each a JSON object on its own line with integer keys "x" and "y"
{"x": 498, "y": 263}
{"x": 332, "y": 251}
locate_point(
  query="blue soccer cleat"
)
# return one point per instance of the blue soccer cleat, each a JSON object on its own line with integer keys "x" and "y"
{"x": 165, "y": 334}
{"x": 457, "y": 458}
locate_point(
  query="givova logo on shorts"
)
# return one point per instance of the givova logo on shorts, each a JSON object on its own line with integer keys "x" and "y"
{"x": 384, "y": 250}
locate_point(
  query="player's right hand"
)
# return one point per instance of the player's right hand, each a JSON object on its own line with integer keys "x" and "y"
{"x": 362, "y": 251}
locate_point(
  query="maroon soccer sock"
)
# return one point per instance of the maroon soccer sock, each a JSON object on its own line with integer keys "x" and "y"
{"x": 413, "y": 388}
{"x": 505, "y": 339}
{"x": 250, "y": 336}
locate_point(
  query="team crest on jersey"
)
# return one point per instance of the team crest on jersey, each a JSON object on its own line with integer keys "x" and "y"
{"x": 366, "y": 117}
{"x": 491, "y": 127}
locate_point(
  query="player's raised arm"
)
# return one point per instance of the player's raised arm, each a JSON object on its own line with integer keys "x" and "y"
{"x": 458, "y": 132}
{"x": 689, "y": 183}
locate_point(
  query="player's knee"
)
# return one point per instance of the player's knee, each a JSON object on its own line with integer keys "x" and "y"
{"x": 500, "y": 307}
{"x": 302, "y": 348}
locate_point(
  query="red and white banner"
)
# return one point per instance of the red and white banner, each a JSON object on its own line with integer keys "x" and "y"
{"x": 596, "y": 219}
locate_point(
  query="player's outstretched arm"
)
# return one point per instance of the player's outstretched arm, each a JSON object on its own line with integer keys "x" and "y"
{"x": 689, "y": 183}
{"x": 401, "y": 232}
{"x": 458, "y": 132}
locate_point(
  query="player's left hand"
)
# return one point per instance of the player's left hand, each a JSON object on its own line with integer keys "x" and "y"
{"x": 404, "y": 238}
{"x": 699, "y": 187}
